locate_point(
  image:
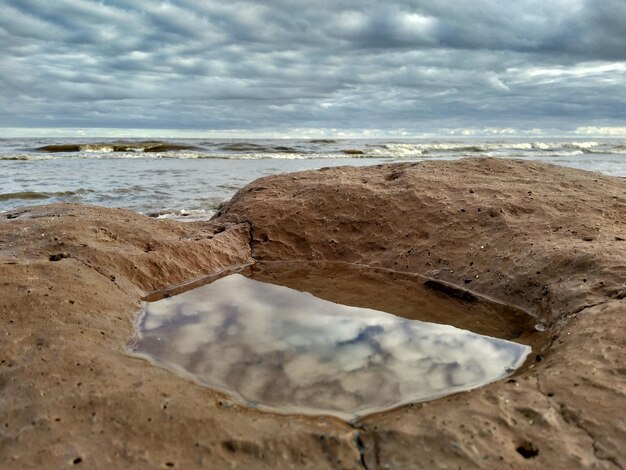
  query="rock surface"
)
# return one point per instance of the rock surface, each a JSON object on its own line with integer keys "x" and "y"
{"x": 548, "y": 239}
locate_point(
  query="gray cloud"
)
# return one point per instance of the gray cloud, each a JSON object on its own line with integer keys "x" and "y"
{"x": 351, "y": 64}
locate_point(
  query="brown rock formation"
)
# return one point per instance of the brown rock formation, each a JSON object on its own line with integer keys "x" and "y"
{"x": 548, "y": 239}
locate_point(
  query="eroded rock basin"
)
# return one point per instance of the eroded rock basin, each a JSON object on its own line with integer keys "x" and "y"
{"x": 72, "y": 278}
{"x": 331, "y": 338}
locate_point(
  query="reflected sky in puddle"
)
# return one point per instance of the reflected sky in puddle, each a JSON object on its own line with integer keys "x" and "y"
{"x": 287, "y": 351}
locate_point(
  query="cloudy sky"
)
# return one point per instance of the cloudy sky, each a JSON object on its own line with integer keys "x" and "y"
{"x": 286, "y": 65}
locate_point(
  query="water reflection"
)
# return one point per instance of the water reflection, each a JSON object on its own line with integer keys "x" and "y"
{"x": 288, "y": 351}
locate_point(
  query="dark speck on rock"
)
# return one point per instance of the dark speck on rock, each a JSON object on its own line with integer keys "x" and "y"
{"x": 59, "y": 256}
{"x": 528, "y": 450}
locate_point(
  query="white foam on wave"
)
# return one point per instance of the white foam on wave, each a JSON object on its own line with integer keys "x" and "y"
{"x": 97, "y": 148}
{"x": 584, "y": 145}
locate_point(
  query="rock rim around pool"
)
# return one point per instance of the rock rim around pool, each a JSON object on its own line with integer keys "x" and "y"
{"x": 547, "y": 239}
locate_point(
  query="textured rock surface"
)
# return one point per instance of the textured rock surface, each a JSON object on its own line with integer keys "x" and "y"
{"x": 548, "y": 239}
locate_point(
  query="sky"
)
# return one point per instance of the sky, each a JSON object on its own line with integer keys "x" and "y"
{"x": 315, "y": 67}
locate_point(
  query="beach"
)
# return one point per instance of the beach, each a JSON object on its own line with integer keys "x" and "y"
{"x": 545, "y": 238}
{"x": 382, "y": 235}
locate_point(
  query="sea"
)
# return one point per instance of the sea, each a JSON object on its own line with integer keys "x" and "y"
{"x": 188, "y": 179}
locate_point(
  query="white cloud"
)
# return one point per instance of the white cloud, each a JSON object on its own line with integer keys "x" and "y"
{"x": 614, "y": 131}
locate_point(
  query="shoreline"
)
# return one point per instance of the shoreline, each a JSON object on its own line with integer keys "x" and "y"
{"x": 550, "y": 239}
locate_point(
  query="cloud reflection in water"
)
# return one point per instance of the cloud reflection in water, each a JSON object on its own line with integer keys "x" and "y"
{"x": 289, "y": 351}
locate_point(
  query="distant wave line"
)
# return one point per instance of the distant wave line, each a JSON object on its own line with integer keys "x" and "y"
{"x": 309, "y": 149}
{"x": 33, "y": 195}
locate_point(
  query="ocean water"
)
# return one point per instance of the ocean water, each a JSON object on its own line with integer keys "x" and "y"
{"x": 190, "y": 178}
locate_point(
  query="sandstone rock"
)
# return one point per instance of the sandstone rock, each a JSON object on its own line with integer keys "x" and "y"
{"x": 545, "y": 238}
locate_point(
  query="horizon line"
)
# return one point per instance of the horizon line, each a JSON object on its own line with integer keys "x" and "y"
{"x": 310, "y": 133}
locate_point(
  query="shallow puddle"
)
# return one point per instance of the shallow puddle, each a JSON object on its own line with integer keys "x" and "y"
{"x": 330, "y": 338}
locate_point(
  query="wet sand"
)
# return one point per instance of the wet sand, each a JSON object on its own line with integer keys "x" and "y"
{"x": 550, "y": 240}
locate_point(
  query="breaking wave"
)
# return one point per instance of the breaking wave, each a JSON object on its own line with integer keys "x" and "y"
{"x": 146, "y": 146}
